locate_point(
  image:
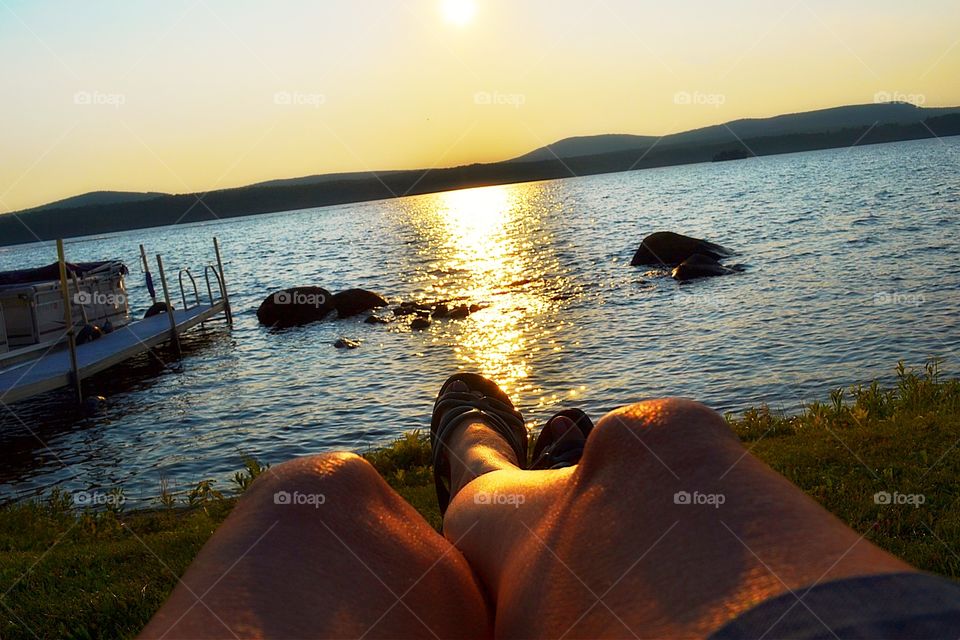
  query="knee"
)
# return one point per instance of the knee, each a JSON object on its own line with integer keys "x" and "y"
{"x": 657, "y": 429}
{"x": 321, "y": 473}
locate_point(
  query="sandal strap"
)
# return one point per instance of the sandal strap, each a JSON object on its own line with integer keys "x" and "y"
{"x": 564, "y": 453}
{"x": 455, "y": 407}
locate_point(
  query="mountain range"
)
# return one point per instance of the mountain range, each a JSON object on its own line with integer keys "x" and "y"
{"x": 106, "y": 211}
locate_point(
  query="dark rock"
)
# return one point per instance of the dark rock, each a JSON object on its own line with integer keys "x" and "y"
{"x": 474, "y": 308}
{"x": 459, "y": 312}
{"x": 346, "y": 343}
{"x": 355, "y": 301}
{"x": 295, "y": 306}
{"x": 419, "y": 324}
{"x": 699, "y": 266}
{"x": 441, "y": 310}
{"x": 374, "y": 319}
{"x": 157, "y": 308}
{"x": 88, "y": 333}
{"x": 670, "y": 249}
{"x": 403, "y": 311}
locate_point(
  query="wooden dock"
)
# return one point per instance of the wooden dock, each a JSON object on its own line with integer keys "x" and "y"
{"x": 55, "y": 369}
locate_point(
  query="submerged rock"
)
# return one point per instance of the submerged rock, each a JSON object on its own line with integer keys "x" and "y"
{"x": 699, "y": 266}
{"x": 353, "y": 302}
{"x": 294, "y": 307}
{"x": 375, "y": 319}
{"x": 670, "y": 249}
{"x": 346, "y": 343}
{"x": 419, "y": 324}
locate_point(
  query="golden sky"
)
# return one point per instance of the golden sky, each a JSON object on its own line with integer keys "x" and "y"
{"x": 196, "y": 95}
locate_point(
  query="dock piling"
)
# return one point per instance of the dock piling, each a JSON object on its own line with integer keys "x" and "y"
{"x": 68, "y": 320}
{"x": 223, "y": 282}
{"x": 174, "y": 336}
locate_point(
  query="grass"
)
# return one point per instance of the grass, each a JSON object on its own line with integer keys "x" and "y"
{"x": 86, "y": 574}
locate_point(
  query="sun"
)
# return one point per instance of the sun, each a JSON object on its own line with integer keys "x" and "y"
{"x": 459, "y": 12}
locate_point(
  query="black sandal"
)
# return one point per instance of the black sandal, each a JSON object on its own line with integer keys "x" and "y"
{"x": 549, "y": 454}
{"x": 485, "y": 401}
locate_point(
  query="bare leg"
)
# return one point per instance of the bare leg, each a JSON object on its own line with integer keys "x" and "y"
{"x": 605, "y": 549}
{"x": 352, "y": 560}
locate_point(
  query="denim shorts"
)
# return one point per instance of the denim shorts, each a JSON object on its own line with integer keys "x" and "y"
{"x": 894, "y": 605}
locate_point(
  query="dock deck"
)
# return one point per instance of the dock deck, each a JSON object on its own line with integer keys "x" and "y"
{"x": 54, "y": 370}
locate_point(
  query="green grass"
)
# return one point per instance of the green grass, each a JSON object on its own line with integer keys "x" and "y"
{"x": 65, "y": 573}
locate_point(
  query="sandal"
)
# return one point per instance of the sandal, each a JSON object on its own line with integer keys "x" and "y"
{"x": 485, "y": 401}
{"x": 562, "y": 452}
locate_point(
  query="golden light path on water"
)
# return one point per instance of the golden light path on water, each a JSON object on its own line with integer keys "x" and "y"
{"x": 489, "y": 260}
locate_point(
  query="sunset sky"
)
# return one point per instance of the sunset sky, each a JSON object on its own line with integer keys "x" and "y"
{"x": 204, "y": 94}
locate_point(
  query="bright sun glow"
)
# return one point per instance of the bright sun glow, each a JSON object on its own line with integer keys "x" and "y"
{"x": 459, "y": 12}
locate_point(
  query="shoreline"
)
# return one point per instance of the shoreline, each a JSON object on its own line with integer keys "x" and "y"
{"x": 45, "y": 225}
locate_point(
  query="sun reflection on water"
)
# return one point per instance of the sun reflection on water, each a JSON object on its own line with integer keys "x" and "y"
{"x": 485, "y": 258}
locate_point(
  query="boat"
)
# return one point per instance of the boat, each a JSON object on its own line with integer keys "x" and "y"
{"x": 32, "y": 302}
{"x": 64, "y": 322}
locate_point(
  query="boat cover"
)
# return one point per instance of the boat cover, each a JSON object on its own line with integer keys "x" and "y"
{"x": 52, "y": 272}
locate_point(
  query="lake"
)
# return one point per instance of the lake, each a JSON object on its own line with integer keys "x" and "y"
{"x": 852, "y": 263}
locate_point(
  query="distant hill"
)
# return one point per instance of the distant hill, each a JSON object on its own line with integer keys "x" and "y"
{"x": 99, "y": 198}
{"x": 320, "y": 179}
{"x": 586, "y": 146}
{"x": 826, "y": 129}
{"x": 820, "y": 121}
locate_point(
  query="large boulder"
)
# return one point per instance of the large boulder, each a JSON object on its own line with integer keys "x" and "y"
{"x": 665, "y": 248}
{"x": 355, "y": 301}
{"x": 295, "y": 306}
{"x": 699, "y": 266}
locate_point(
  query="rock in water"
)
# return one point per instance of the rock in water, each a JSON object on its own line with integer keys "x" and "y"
{"x": 375, "y": 319}
{"x": 355, "y": 301}
{"x": 295, "y": 306}
{"x": 670, "y": 249}
{"x": 419, "y": 324}
{"x": 459, "y": 312}
{"x": 346, "y": 343}
{"x": 699, "y": 266}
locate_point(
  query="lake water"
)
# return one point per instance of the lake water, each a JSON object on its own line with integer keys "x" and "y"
{"x": 852, "y": 264}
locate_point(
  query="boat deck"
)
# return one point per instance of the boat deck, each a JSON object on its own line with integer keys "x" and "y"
{"x": 54, "y": 370}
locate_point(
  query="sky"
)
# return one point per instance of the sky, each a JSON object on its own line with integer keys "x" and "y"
{"x": 196, "y": 95}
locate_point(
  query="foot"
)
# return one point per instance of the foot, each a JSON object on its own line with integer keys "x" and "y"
{"x": 475, "y": 429}
{"x": 475, "y": 448}
{"x": 560, "y": 443}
